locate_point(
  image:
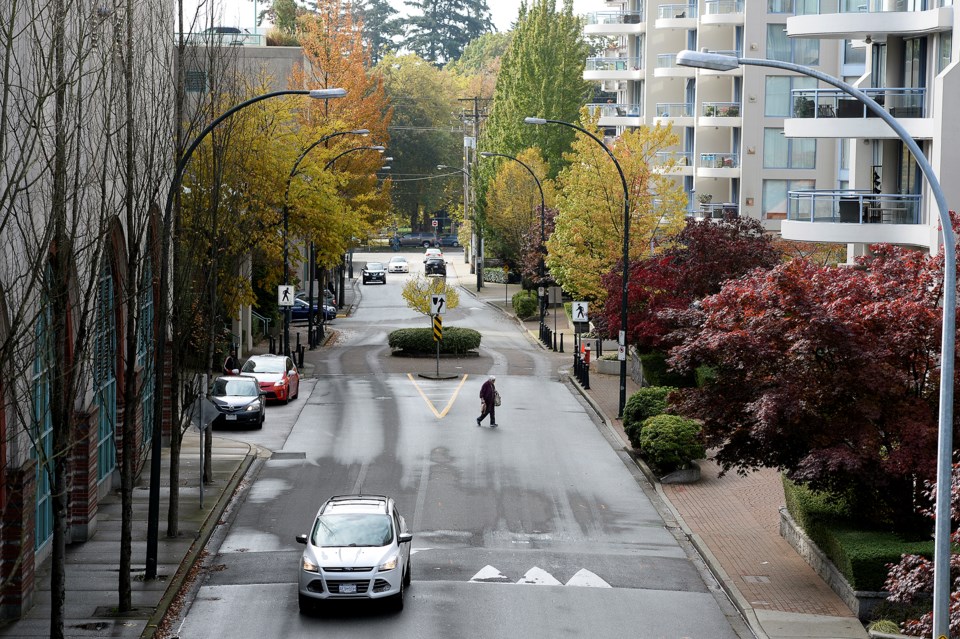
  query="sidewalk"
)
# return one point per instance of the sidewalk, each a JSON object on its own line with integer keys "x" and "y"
{"x": 92, "y": 566}
{"x": 734, "y": 521}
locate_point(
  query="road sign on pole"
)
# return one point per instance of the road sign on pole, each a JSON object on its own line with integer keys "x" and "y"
{"x": 579, "y": 312}
{"x": 285, "y": 295}
{"x": 438, "y": 304}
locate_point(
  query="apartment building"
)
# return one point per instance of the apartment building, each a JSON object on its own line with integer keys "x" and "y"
{"x": 801, "y": 156}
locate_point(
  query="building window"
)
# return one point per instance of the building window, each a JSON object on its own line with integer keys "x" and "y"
{"x": 42, "y": 418}
{"x": 777, "y": 102}
{"x": 195, "y": 81}
{"x": 780, "y": 6}
{"x": 781, "y": 152}
{"x": 775, "y": 196}
{"x": 104, "y": 373}
{"x": 805, "y": 51}
{"x": 145, "y": 348}
{"x": 946, "y": 44}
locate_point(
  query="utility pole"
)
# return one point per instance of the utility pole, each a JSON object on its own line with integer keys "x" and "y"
{"x": 469, "y": 191}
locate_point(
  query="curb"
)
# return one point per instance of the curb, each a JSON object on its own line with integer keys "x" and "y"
{"x": 199, "y": 543}
{"x": 736, "y": 597}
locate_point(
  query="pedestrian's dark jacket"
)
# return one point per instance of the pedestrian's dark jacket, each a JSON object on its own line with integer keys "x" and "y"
{"x": 487, "y": 391}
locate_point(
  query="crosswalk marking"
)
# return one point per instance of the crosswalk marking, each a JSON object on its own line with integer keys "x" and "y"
{"x": 586, "y": 579}
{"x": 489, "y": 574}
{"x": 539, "y": 577}
{"x": 453, "y": 397}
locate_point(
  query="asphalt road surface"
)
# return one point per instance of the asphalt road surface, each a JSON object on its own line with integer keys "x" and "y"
{"x": 539, "y": 528}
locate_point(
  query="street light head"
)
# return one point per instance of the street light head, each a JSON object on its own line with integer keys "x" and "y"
{"x": 385, "y": 168}
{"x": 534, "y": 120}
{"x": 323, "y": 94}
{"x": 442, "y": 167}
{"x": 487, "y": 154}
{"x": 360, "y": 132}
{"x": 705, "y": 60}
{"x": 378, "y": 148}
{"x": 388, "y": 159}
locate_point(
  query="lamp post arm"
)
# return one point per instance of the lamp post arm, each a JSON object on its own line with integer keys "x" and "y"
{"x": 356, "y": 148}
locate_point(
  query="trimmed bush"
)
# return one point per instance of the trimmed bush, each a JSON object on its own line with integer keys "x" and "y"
{"x": 456, "y": 341}
{"x": 645, "y": 403}
{"x": 656, "y": 373}
{"x": 495, "y": 275}
{"x": 525, "y": 304}
{"x": 670, "y": 441}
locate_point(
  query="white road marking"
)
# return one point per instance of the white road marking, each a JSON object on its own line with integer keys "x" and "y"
{"x": 489, "y": 573}
{"x": 539, "y": 577}
{"x": 586, "y": 579}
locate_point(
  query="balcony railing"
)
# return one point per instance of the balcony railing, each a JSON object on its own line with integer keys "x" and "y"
{"x": 674, "y": 109}
{"x": 615, "y": 17}
{"x": 679, "y": 158}
{"x": 720, "y": 110}
{"x": 717, "y": 211}
{"x": 887, "y": 6}
{"x": 833, "y": 103}
{"x": 613, "y": 64}
{"x": 221, "y": 39}
{"x": 722, "y": 7}
{"x": 719, "y": 161}
{"x": 853, "y": 207}
{"x": 672, "y": 11}
{"x": 667, "y": 61}
{"x": 616, "y": 110}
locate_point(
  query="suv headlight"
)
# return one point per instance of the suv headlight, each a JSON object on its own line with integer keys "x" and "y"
{"x": 253, "y": 406}
{"x": 309, "y": 566}
{"x": 389, "y": 564}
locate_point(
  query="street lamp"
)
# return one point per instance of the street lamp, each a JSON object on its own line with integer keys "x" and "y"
{"x": 285, "y": 348}
{"x": 622, "y": 341}
{"x": 476, "y": 233}
{"x": 941, "y": 573}
{"x": 543, "y": 214}
{"x": 156, "y": 444}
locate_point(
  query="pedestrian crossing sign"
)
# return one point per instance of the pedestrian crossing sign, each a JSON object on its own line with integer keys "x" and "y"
{"x": 285, "y": 295}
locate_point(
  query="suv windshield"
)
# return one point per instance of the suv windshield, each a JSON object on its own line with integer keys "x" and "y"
{"x": 374, "y": 266}
{"x": 263, "y": 366}
{"x": 356, "y": 529}
{"x": 222, "y": 387}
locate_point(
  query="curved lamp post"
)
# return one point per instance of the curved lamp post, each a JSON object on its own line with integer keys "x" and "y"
{"x": 941, "y": 578}
{"x": 286, "y": 229}
{"x": 543, "y": 214}
{"x": 622, "y": 341}
{"x": 153, "y": 514}
{"x": 476, "y": 235}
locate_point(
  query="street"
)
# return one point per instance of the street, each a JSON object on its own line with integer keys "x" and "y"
{"x": 537, "y": 528}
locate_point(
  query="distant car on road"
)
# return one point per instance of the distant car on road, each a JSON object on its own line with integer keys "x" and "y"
{"x": 398, "y": 264}
{"x": 434, "y": 266}
{"x": 357, "y": 548}
{"x": 449, "y": 240}
{"x": 432, "y": 253}
{"x": 417, "y": 239}
{"x": 374, "y": 272}
{"x": 239, "y": 401}
{"x": 277, "y": 375}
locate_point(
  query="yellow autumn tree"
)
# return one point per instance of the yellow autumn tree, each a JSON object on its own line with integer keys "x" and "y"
{"x": 513, "y": 202}
{"x": 587, "y": 241}
{"x": 417, "y": 291}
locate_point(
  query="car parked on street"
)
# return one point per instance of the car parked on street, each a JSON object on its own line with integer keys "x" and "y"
{"x": 374, "y": 272}
{"x": 277, "y": 375}
{"x": 300, "y": 310}
{"x": 239, "y": 402}
{"x": 357, "y": 548}
{"x": 435, "y": 266}
{"x": 398, "y": 264}
{"x": 449, "y": 240}
{"x": 416, "y": 239}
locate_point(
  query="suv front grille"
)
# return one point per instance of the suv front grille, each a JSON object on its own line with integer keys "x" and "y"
{"x": 361, "y": 569}
{"x": 333, "y": 586}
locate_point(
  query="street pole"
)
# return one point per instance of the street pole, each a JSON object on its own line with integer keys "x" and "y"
{"x": 543, "y": 214}
{"x": 156, "y": 443}
{"x": 286, "y": 248}
{"x": 622, "y": 338}
{"x": 941, "y": 573}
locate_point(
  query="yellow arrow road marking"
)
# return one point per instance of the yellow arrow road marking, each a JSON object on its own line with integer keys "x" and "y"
{"x": 446, "y": 408}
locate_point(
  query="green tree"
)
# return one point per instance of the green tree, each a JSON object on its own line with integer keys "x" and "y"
{"x": 425, "y": 132}
{"x": 587, "y": 241}
{"x": 381, "y": 27}
{"x": 541, "y": 75}
{"x": 417, "y": 291}
{"x": 480, "y": 63}
{"x": 445, "y": 27}
{"x": 514, "y": 204}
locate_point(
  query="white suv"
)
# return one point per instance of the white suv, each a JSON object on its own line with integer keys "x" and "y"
{"x": 358, "y": 548}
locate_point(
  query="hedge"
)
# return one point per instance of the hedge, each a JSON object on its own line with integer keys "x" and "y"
{"x": 456, "y": 341}
{"x": 656, "y": 373}
{"x": 525, "y": 304}
{"x": 670, "y": 441}
{"x": 860, "y": 555}
{"x": 641, "y": 405}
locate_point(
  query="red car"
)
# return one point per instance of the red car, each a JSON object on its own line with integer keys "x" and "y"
{"x": 277, "y": 375}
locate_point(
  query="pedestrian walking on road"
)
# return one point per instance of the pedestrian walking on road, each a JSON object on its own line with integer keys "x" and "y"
{"x": 489, "y": 398}
{"x": 231, "y": 365}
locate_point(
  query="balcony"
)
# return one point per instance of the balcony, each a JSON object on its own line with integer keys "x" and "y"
{"x": 857, "y": 19}
{"x": 722, "y": 12}
{"x": 836, "y": 114}
{"x": 617, "y": 114}
{"x": 221, "y": 39}
{"x": 709, "y": 211}
{"x": 614, "y": 23}
{"x": 676, "y": 113}
{"x": 674, "y": 162}
{"x": 667, "y": 67}
{"x": 599, "y": 69}
{"x": 720, "y": 114}
{"x": 719, "y": 165}
{"x": 677, "y": 16}
{"x": 853, "y": 216}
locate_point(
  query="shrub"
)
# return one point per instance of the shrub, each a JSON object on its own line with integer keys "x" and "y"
{"x": 495, "y": 275}
{"x": 645, "y": 403}
{"x": 456, "y": 341}
{"x": 671, "y": 441}
{"x": 525, "y": 304}
{"x": 656, "y": 373}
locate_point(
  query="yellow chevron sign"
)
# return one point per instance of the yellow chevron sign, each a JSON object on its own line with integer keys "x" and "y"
{"x": 437, "y": 328}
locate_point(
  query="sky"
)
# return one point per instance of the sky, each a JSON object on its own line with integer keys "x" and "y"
{"x": 240, "y": 13}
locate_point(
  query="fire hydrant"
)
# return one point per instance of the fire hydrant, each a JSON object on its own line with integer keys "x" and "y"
{"x": 586, "y": 356}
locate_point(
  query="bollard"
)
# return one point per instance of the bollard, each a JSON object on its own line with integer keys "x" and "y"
{"x": 599, "y": 348}
{"x": 299, "y": 353}
{"x": 586, "y": 377}
{"x": 561, "y": 342}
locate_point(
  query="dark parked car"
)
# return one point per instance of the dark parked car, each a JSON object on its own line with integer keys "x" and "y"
{"x": 448, "y": 240}
{"x": 434, "y": 266}
{"x": 374, "y": 272}
{"x": 300, "y": 309}
{"x": 417, "y": 239}
{"x": 239, "y": 402}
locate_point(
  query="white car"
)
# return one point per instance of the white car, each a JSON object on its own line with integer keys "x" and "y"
{"x": 358, "y": 548}
{"x": 432, "y": 253}
{"x": 398, "y": 264}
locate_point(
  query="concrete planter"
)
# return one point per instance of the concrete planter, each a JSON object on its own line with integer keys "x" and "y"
{"x": 606, "y": 366}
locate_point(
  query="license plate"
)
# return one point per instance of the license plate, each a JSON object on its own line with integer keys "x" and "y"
{"x": 348, "y": 589}
{"x": 231, "y": 418}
